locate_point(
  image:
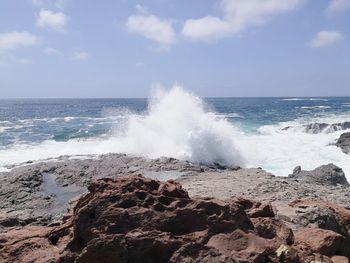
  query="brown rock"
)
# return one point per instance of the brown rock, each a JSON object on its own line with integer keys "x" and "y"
{"x": 29, "y": 244}
{"x": 136, "y": 219}
{"x": 142, "y": 220}
{"x": 339, "y": 259}
{"x": 324, "y": 242}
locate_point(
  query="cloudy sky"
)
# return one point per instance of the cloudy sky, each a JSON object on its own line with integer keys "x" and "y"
{"x": 121, "y": 48}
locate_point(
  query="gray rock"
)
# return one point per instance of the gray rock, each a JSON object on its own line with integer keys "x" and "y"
{"x": 344, "y": 142}
{"x": 297, "y": 170}
{"x": 329, "y": 174}
{"x": 315, "y": 128}
{"x": 39, "y": 193}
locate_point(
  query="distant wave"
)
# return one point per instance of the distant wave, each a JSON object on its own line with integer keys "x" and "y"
{"x": 310, "y": 99}
{"x": 228, "y": 115}
{"x": 316, "y": 107}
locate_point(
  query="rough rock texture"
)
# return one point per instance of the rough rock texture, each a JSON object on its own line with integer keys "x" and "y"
{"x": 344, "y": 142}
{"x": 136, "y": 219}
{"x": 40, "y": 193}
{"x": 260, "y": 185}
{"x": 148, "y": 221}
{"x": 329, "y": 174}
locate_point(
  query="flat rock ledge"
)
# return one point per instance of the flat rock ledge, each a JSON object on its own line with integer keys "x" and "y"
{"x": 138, "y": 219}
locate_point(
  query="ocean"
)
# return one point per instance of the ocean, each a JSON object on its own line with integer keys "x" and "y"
{"x": 276, "y": 134}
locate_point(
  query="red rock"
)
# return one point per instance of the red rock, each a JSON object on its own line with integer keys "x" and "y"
{"x": 324, "y": 242}
{"x": 28, "y": 244}
{"x": 339, "y": 259}
{"x": 135, "y": 219}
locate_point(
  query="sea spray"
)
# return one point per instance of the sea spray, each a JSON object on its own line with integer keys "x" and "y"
{"x": 178, "y": 125}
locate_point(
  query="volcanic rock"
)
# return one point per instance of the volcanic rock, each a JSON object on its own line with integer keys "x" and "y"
{"x": 329, "y": 174}
{"x": 344, "y": 142}
{"x": 137, "y": 219}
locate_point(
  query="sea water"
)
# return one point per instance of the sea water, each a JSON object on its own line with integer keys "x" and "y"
{"x": 271, "y": 133}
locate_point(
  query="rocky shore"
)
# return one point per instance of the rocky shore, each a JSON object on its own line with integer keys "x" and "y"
{"x": 119, "y": 208}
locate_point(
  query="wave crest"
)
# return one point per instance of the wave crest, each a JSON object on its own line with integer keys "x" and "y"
{"x": 177, "y": 124}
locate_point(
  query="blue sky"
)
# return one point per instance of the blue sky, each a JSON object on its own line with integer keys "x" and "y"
{"x": 121, "y": 48}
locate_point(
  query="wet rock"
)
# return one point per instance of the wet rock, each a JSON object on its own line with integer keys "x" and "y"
{"x": 315, "y": 128}
{"x": 344, "y": 142}
{"x": 329, "y": 174}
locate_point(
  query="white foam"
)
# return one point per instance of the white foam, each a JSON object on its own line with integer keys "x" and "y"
{"x": 280, "y": 151}
{"x": 311, "y": 99}
{"x": 178, "y": 125}
{"x": 316, "y": 107}
{"x": 175, "y": 125}
{"x": 228, "y": 115}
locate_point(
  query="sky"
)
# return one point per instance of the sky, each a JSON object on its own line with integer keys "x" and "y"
{"x": 215, "y": 48}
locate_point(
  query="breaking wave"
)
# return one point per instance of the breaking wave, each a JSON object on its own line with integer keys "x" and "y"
{"x": 177, "y": 124}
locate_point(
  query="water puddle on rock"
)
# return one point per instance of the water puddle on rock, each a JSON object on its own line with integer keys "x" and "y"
{"x": 58, "y": 194}
{"x": 163, "y": 175}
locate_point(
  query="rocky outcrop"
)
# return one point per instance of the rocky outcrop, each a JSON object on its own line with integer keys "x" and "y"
{"x": 136, "y": 219}
{"x": 344, "y": 142}
{"x": 329, "y": 174}
{"x": 39, "y": 193}
{"x": 315, "y": 128}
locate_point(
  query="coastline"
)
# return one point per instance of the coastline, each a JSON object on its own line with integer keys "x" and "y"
{"x": 39, "y": 195}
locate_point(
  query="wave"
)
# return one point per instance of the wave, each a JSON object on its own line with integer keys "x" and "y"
{"x": 228, "y": 115}
{"x": 176, "y": 124}
{"x": 316, "y": 107}
{"x": 309, "y": 99}
{"x": 280, "y": 151}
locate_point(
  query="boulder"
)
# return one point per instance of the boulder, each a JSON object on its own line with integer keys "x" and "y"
{"x": 137, "y": 219}
{"x": 324, "y": 242}
{"x": 344, "y": 142}
{"x": 329, "y": 174}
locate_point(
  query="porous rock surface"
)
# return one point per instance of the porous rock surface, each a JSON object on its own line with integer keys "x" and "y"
{"x": 137, "y": 219}
{"x": 39, "y": 193}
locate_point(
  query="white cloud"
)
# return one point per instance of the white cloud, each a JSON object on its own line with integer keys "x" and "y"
{"x": 56, "y": 21}
{"x": 13, "y": 40}
{"x": 338, "y": 6}
{"x": 80, "y": 55}
{"x": 325, "y": 39}
{"x": 51, "y": 51}
{"x": 238, "y": 15}
{"x": 152, "y": 27}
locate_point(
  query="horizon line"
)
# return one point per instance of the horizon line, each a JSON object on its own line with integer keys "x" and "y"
{"x": 203, "y": 97}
